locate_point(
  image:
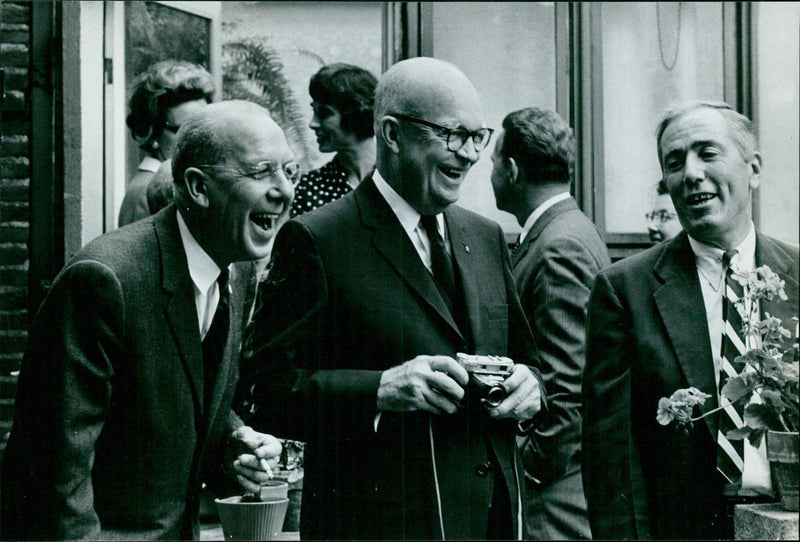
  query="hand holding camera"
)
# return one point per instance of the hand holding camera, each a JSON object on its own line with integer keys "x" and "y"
{"x": 506, "y": 389}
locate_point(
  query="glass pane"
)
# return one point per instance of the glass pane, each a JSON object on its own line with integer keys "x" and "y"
{"x": 510, "y": 58}
{"x": 270, "y": 51}
{"x": 654, "y": 54}
{"x": 155, "y": 32}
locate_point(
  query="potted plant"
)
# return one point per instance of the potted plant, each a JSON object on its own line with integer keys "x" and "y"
{"x": 768, "y": 387}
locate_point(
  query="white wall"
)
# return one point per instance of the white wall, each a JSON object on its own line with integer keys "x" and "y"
{"x": 778, "y": 117}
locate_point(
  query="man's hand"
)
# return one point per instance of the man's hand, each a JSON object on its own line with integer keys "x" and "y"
{"x": 259, "y": 456}
{"x": 524, "y": 397}
{"x": 431, "y": 383}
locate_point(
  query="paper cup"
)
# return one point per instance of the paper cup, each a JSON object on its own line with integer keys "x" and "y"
{"x": 274, "y": 490}
{"x": 251, "y": 521}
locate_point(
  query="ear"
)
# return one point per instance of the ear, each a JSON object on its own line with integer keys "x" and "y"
{"x": 513, "y": 170}
{"x": 389, "y": 131}
{"x": 196, "y": 182}
{"x": 755, "y": 170}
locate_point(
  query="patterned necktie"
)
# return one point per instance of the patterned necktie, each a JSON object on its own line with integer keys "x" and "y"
{"x": 730, "y": 453}
{"x": 440, "y": 260}
{"x": 215, "y": 339}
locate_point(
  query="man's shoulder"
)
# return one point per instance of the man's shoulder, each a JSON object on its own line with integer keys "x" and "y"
{"x": 121, "y": 249}
{"x": 470, "y": 219}
{"x": 645, "y": 261}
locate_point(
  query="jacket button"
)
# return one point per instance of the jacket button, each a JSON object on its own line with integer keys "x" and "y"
{"x": 482, "y": 469}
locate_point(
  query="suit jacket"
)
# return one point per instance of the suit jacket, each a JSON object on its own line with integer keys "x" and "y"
{"x": 347, "y": 298}
{"x": 647, "y": 337}
{"x": 554, "y": 268}
{"x": 111, "y": 437}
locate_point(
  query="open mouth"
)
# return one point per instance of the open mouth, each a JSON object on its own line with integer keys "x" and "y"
{"x": 265, "y": 221}
{"x": 699, "y": 199}
{"x": 452, "y": 173}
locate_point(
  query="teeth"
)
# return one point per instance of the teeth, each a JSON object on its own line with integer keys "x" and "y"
{"x": 699, "y": 198}
{"x": 264, "y": 220}
{"x": 451, "y": 172}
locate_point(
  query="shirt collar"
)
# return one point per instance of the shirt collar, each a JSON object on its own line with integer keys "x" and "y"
{"x": 202, "y": 269}
{"x": 539, "y": 211}
{"x": 406, "y": 214}
{"x": 149, "y": 163}
{"x": 709, "y": 259}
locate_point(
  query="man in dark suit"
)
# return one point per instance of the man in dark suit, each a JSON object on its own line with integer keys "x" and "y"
{"x": 555, "y": 261}
{"x": 398, "y": 445}
{"x": 124, "y": 397}
{"x": 655, "y": 326}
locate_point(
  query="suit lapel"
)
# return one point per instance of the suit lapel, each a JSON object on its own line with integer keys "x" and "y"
{"x": 538, "y": 227}
{"x": 769, "y": 253}
{"x": 467, "y": 268}
{"x": 377, "y": 216}
{"x": 679, "y": 301}
{"x": 181, "y": 312}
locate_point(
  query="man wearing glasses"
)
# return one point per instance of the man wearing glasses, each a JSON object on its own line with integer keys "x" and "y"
{"x": 662, "y": 221}
{"x": 125, "y": 391}
{"x": 369, "y": 300}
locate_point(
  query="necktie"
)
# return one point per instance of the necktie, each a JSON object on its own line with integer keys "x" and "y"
{"x": 440, "y": 260}
{"x": 730, "y": 453}
{"x": 215, "y": 339}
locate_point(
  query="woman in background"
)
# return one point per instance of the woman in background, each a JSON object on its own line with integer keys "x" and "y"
{"x": 343, "y": 102}
{"x": 161, "y": 99}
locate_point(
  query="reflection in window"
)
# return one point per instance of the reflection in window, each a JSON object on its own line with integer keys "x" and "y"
{"x": 507, "y": 49}
{"x": 654, "y": 54}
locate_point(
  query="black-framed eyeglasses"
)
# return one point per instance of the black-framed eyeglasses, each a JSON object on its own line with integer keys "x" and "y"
{"x": 455, "y": 138}
{"x": 263, "y": 171}
{"x": 661, "y": 216}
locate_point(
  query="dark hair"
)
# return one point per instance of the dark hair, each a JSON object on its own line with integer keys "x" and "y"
{"x": 159, "y": 189}
{"x": 741, "y": 128}
{"x": 543, "y": 144}
{"x": 351, "y": 90}
{"x": 164, "y": 85}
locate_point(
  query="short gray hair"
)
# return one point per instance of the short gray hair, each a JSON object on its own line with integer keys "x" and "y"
{"x": 741, "y": 128}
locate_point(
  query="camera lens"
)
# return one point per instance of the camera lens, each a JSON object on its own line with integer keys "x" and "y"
{"x": 495, "y": 396}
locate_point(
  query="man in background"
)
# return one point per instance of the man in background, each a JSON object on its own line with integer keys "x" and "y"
{"x": 370, "y": 298}
{"x": 656, "y": 325}
{"x": 123, "y": 405}
{"x": 662, "y": 220}
{"x": 555, "y": 262}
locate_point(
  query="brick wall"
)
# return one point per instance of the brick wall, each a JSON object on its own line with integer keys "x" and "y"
{"x": 14, "y": 201}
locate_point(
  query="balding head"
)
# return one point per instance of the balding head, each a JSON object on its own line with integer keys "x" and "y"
{"x": 234, "y": 174}
{"x": 413, "y": 156}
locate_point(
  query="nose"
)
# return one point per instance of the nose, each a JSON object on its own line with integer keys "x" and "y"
{"x": 314, "y": 124}
{"x": 468, "y": 152}
{"x": 694, "y": 168}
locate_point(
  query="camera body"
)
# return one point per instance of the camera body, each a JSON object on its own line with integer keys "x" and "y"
{"x": 486, "y": 375}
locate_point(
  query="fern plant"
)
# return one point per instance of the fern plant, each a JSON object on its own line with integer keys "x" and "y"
{"x": 252, "y": 71}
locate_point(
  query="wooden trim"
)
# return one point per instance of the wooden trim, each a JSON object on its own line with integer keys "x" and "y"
{"x": 47, "y": 158}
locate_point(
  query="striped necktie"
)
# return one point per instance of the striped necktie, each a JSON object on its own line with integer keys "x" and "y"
{"x": 730, "y": 453}
{"x": 440, "y": 260}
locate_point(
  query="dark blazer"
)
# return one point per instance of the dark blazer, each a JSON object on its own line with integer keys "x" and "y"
{"x": 647, "y": 337}
{"x": 347, "y": 298}
{"x": 554, "y": 268}
{"x": 112, "y": 438}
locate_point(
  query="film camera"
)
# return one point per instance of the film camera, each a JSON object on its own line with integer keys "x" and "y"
{"x": 486, "y": 375}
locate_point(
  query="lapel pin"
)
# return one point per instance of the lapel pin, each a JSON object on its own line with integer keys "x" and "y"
{"x": 467, "y": 249}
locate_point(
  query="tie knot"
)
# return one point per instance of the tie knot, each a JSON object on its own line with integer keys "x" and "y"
{"x": 222, "y": 279}
{"x": 727, "y": 258}
{"x": 429, "y": 224}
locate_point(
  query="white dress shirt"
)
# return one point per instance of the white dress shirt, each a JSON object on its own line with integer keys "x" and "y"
{"x": 409, "y": 219}
{"x": 204, "y": 273}
{"x": 538, "y": 212}
{"x": 756, "y": 474}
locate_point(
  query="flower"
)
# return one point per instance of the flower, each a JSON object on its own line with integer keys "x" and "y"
{"x": 769, "y": 388}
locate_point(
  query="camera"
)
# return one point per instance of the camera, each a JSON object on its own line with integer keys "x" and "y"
{"x": 487, "y": 374}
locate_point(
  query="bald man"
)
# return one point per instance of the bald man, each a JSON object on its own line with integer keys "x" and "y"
{"x": 358, "y": 305}
{"x": 125, "y": 390}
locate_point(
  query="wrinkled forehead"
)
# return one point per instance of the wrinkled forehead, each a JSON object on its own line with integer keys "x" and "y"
{"x": 699, "y": 125}
{"x": 251, "y": 140}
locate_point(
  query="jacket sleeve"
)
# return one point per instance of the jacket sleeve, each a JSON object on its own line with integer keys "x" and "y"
{"x": 555, "y": 298}
{"x": 612, "y": 474}
{"x": 63, "y": 397}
